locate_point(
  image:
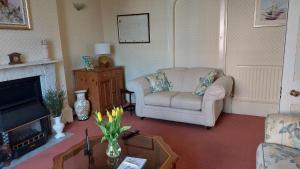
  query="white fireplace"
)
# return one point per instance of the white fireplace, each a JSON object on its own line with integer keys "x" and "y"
{"x": 44, "y": 69}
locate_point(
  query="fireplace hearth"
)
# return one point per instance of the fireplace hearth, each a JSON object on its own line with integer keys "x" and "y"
{"x": 24, "y": 121}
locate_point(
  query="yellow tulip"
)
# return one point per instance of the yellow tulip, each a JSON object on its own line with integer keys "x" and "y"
{"x": 113, "y": 112}
{"x": 107, "y": 113}
{"x": 99, "y": 116}
{"x": 122, "y": 111}
{"x": 110, "y": 118}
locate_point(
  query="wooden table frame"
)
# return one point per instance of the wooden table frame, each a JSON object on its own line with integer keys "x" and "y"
{"x": 170, "y": 163}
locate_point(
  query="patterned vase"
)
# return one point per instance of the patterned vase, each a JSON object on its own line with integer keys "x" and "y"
{"x": 82, "y": 106}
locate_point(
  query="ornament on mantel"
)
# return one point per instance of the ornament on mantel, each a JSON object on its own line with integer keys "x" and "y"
{"x": 45, "y": 47}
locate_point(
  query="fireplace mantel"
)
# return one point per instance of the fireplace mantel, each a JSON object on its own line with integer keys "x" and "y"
{"x": 34, "y": 63}
{"x": 44, "y": 69}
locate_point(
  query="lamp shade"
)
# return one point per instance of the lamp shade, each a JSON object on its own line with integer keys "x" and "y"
{"x": 102, "y": 49}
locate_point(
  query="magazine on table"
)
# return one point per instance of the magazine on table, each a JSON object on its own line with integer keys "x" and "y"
{"x": 132, "y": 163}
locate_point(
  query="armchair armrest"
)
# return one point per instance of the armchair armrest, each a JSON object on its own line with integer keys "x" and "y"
{"x": 141, "y": 88}
{"x": 283, "y": 129}
{"x": 221, "y": 88}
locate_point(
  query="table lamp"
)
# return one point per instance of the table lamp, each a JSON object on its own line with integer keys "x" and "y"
{"x": 103, "y": 51}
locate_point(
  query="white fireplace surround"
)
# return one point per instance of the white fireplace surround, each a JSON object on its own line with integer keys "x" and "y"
{"x": 45, "y": 69}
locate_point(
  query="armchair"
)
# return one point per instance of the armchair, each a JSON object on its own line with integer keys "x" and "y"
{"x": 281, "y": 149}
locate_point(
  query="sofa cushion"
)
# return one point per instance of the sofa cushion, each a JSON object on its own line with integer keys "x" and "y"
{"x": 175, "y": 77}
{"x": 158, "y": 82}
{"x": 187, "y": 100}
{"x": 160, "y": 98}
{"x": 204, "y": 83}
{"x": 275, "y": 156}
{"x": 192, "y": 76}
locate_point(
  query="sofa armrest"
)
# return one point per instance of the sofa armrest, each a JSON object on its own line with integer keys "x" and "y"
{"x": 283, "y": 129}
{"x": 212, "y": 104}
{"x": 141, "y": 88}
{"x": 221, "y": 88}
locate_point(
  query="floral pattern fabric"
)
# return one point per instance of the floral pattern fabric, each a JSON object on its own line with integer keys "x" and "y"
{"x": 275, "y": 156}
{"x": 205, "y": 82}
{"x": 158, "y": 82}
{"x": 283, "y": 129}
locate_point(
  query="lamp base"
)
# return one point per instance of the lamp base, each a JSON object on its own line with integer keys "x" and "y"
{"x": 104, "y": 61}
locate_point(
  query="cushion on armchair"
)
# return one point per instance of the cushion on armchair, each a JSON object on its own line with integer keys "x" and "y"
{"x": 283, "y": 129}
{"x": 275, "y": 156}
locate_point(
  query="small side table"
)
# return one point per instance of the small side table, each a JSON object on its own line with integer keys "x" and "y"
{"x": 127, "y": 106}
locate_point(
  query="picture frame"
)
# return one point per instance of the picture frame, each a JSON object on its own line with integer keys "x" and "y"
{"x": 134, "y": 28}
{"x": 270, "y": 13}
{"x": 15, "y": 14}
{"x": 87, "y": 62}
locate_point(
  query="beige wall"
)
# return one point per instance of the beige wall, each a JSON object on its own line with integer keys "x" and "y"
{"x": 80, "y": 30}
{"x": 141, "y": 59}
{"x": 45, "y": 26}
{"x": 138, "y": 59}
{"x": 254, "y": 58}
{"x": 196, "y": 29}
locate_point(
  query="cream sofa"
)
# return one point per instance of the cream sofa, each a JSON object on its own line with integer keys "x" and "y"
{"x": 180, "y": 104}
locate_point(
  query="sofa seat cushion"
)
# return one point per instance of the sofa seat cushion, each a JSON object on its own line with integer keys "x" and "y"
{"x": 160, "y": 98}
{"x": 275, "y": 156}
{"x": 186, "y": 100}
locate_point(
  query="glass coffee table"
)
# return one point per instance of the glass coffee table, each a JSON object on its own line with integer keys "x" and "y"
{"x": 158, "y": 154}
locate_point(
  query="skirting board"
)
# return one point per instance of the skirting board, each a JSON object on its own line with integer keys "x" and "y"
{"x": 250, "y": 108}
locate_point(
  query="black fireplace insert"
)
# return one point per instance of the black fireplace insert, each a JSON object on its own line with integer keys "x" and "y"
{"x": 24, "y": 119}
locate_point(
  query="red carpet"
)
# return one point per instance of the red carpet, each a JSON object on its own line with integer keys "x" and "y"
{"x": 231, "y": 144}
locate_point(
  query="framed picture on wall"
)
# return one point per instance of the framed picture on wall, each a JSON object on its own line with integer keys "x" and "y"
{"x": 271, "y": 13}
{"x": 14, "y": 14}
{"x": 134, "y": 28}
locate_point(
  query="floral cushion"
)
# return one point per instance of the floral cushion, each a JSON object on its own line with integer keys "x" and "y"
{"x": 283, "y": 129}
{"x": 205, "y": 82}
{"x": 158, "y": 82}
{"x": 275, "y": 156}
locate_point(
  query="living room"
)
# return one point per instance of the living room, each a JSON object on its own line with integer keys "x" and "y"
{"x": 252, "y": 54}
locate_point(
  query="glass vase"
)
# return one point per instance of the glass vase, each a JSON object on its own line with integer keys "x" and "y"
{"x": 113, "y": 149}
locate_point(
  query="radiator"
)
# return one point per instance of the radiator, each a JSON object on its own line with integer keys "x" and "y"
{"x": 258, "y": 83}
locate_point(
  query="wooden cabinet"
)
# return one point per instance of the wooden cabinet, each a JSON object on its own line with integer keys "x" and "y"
{"x": 103, "y": 85}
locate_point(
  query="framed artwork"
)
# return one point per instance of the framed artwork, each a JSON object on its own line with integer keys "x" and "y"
{"x": 271, "y": 13}
{"x": 134, "y": 28}
{"x": 14, "y": 14}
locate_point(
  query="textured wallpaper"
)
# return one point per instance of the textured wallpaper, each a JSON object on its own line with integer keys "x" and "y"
{"x": 45, "y": 26}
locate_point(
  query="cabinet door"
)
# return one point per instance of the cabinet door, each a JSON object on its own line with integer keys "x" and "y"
{"x": 118, "y": 85}
{"x": 88, "y": 81}
{"x": 105, "y": 91}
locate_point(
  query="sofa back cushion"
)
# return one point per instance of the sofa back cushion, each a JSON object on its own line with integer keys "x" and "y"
{"x": 192, "y": 78}
{"x": 175, "y": 77}
{"x": 187, "y": 79}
